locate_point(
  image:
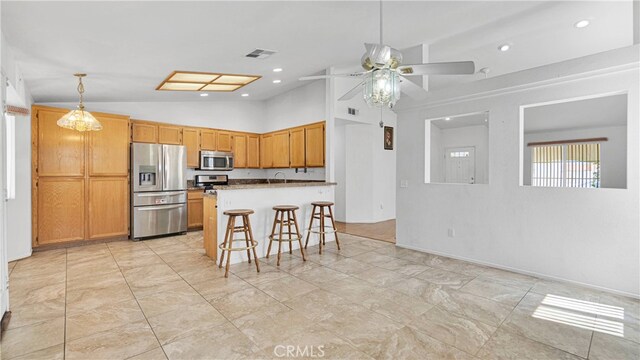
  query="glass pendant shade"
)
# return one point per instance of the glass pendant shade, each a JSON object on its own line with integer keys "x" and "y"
{"x": 80, "y": 120}
{"x": 382, "y": 88}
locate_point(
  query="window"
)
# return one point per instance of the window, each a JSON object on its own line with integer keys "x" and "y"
{"x": 460, "y": 154}
{"x": 566, "y": 165}
{"x": 10, "y": 133}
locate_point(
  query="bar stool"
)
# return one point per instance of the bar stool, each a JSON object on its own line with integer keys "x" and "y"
{"x": 227, "y": 245}
{"x": 279, "y": 221}
{"x": 322, "y": 229}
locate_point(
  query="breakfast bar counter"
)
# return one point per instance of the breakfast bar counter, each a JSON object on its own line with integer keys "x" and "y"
{"x": 261, "y": 198}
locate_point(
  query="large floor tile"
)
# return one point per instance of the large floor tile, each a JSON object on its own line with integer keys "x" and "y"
{"x": 349, "y": 266}
{"x": 505, "y": 345}
{"x": 176, "y": 298}
{"x": 30, "y": 338}
{"x": 286, "y": 288}
{"x": 424, "y": 290}
{"x": 269, "y": 327}
{"x": 155, "y": 354}
{"x": 119, "y": 343}
{"x": 608, "y": 347}
{"x": 103, "y": 318}
{"x": 87, "y": 299}
{"x": 315, "y": 343}
{"x": 475, "y": 307}
{"x": 24, "y": 292}
{"x": 150, "y": 279}
{"x": 221, "y": 342}
{"x": 545, "y": 287}
{"x": 28, "y": 314}
{"x": 52, "y": 353}
{"x": 408, "y": 343}
{"x": 381, "y": 277}
{"x": 444, "y": 277}
{"x": 243, "y": 302}
{"x": 463, "y": 333}
{"x": 320, "y": 304}
{"x": 491, "y": 290}
{"x": 322, "y": 276}
{"x": 183, "y": 322}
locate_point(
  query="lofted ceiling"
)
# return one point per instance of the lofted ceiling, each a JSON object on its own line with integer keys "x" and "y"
{"x": 459, "y": 121}
{"x": 128, "y": 48}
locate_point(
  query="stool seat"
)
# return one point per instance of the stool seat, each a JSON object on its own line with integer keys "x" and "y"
{"x": 322, "y": 203}
{"x": 285, "y": 207}
{"x": 238, "y": 212}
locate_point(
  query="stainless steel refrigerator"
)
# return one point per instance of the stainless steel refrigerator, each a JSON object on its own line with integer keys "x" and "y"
{"x": 158, "y": 190}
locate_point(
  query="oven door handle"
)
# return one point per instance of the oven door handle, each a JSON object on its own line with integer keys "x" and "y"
{"x": 163, "y": 207}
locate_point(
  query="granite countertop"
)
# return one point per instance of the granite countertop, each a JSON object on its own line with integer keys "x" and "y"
{"x": 273, "y": 185}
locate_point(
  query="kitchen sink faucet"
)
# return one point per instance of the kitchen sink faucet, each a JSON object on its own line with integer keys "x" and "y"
{"x": 284, "y": 177}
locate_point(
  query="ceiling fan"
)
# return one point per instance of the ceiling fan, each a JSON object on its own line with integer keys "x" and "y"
{"x": 384, "y": 75}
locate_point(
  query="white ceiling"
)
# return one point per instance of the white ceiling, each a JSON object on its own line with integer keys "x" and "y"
{"x": 581, "y": 114}
{"x": 460, "y": 121}
{"x": 128, "y": 48}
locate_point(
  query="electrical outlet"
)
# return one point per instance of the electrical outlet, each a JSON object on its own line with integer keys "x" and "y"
{"x": 404, "y": 184}
{"x": 451, "y": 232}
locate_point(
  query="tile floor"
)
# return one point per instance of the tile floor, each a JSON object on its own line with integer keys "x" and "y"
{"x": 163, "y": 299}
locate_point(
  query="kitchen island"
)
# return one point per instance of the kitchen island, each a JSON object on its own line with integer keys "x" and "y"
{"x": 261, "y": 198}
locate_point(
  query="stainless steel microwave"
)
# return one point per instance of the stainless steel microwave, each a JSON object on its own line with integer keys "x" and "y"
{"x": 216, "y": 160}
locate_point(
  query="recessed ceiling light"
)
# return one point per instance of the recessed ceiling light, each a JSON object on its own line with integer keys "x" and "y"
{"x": 504, "y": 47}
{"x": 447, "y": 119}
{"x": 277, "y": 81}
{"x": 204, "y": 94}
{"x": 244, "y": 95}
{"x": 277, "y": 69}
{"x": 582, "y": 23}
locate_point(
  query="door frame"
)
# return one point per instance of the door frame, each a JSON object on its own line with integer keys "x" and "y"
{"x": 446, "y": 151}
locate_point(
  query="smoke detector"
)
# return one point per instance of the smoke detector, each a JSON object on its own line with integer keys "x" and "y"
{"x": 260, "y": 53}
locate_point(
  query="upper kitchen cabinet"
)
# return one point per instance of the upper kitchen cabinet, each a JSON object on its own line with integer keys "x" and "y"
{"x": 170, "y": 135}
{"x": 191, "y": 140}
{"x": 109, "y": 147}
{"x": 60, "y": 151}
{"x": 266, "y": 151}
{"x": 239, "y": 148}
{"x": 281, "y": 149}
{"x": 223, "y": 140}
{"x": 144, "y": 132}
{"x": 208, "y": 139}
{"x": 314, "y": 145}
{"x": 296, "y": 147}
{"x": 253, "y": 151}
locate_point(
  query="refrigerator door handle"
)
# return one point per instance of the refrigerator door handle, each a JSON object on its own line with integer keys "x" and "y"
{"x": 164, "y": 161}
{"x": 159, "y": 194}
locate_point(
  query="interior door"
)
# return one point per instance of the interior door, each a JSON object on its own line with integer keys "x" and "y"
{"x": 460, "y": 165}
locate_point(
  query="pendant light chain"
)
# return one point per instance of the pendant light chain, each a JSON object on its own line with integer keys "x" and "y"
{"x": 381, "y": 42}
{"x": 80, "y": 91}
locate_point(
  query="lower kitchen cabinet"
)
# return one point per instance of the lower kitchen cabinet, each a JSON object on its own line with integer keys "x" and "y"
{"x": 194, "y": 209}
{"x": 59, "y": 210}
{"x": 108, "y": 207}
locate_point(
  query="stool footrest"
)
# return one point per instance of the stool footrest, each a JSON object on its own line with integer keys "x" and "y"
{"x": 295, "y": 237}
{"x": 316, "y": 230}
{"x": 253, "y": 245}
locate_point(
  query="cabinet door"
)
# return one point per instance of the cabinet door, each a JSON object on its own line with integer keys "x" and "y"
{"x": 266, "y": 151}
{"x": 144, "y": 132}
{"x": 194, "y": 209}
{"x": 281, "y": 149}
{"x": 170, "y": 135}
{"x": 191, "y": 140}
{"x": 60, "y": 151}
{"x": 239, "y": 150}
{"x": 314, "y": 145}
{"x": 108, "y": 207}
{"x": 208, "y": 140}
{"x": 253, "y": 151}
{"x": 223, "y": 141}
{"x": 296, "y": 147}
{"x": 60, "y": 210}
{"x": 109, "y": 147}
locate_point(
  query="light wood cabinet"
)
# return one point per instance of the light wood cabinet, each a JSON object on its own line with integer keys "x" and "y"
{"x": 314, "y": 145}
{"x": 170, "y": 135}
{"x": 208, "y": 139}
{"x": 266, "y": 151}
{"x": 194, "y": 209}
{"x": 296, "y": 147}
{"x": 60, "y": 210}
{"x": 210, "y": 226}
{"x": 281, "y": 149}
{"x": 108, "y": 207}
{"x": 109, "y": 147}
{"x": 223, "y": 140}
{"x": 191, "y": 140}
{"x": 239, "y": 150}
{"x": 61, "y": 152}
{"x": 144, "y": 132}
{"x": 253, "y": 151}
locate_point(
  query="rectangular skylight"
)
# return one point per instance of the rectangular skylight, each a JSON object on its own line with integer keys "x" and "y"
{"x": 201, "y": 81}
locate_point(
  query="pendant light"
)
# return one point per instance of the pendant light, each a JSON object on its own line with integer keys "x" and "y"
{"x": 80, "y": 119}
{"x": 381, "y": 86}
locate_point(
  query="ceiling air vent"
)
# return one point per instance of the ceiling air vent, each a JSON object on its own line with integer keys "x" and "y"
{"x": 260, "y": 53}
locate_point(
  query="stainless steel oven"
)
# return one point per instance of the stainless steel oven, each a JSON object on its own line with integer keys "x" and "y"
{"x": 216, "y": 160}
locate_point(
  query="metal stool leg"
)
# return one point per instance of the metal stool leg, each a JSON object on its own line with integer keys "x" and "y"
{"x": 255, "y": 256}
{"x": 295, "y": 222}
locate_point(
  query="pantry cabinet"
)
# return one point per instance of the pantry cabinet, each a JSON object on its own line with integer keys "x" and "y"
{"x": 109, "y": 147}
{"x": 108, "y": 207}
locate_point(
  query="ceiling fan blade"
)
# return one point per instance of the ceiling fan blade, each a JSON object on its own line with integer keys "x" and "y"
{"x": 412, "y": 90}
{"x": 445, "y": 68}
{"x": 316, "y": 77}
{"x": 353, "y": 92}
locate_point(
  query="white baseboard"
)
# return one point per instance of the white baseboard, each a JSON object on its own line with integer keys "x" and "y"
{"x": 521, "y": 271}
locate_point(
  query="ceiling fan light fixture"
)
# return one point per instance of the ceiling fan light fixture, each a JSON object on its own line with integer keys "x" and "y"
{"x": 79, "y": 119}
{"x": 382, "y": 88}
